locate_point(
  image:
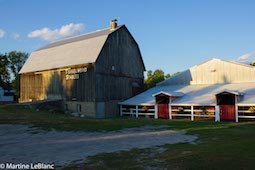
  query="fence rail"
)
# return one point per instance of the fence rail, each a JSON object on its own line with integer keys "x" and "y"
{"x": 138, "y": 110}
{"x": 242, "y": 112}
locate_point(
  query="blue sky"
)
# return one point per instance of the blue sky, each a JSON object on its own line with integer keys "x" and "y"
{"x": 173, "y": 35}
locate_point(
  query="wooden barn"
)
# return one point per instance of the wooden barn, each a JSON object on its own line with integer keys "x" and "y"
{"x": 90, "y": 73}
{"x": 216, "y": 89}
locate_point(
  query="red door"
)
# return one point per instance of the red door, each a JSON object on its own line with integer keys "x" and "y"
{"x": 228, "y": 112}
{"x": 163, "y": 111}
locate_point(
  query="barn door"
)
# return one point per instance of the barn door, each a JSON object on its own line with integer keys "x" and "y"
{"x": 226, "y": 102}
{"x": 163, "y": 105}
{"x": 227, "y": 112}
{"x": 100, "y": 110}
{"x": 163, "y": 111}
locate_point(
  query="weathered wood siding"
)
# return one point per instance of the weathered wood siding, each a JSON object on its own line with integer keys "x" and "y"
{"x": 119, "y": 68}
{"x": 82, "y": 89}
{"x": 31, "y": 87}
{"x": 53, "y": 85}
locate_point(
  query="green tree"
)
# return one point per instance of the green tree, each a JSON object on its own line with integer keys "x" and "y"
{"x": 154, "y": 77}
{"x": 10, "y": 64}
{"x": 4, "y": 70}
{"x": 16, "y": 61}
{"x": 167, "y": 76}
{"x": 252, "y": 64}
{"x": 176, "y": 73}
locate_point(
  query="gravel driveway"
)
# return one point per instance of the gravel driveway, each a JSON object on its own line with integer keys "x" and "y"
{"x": 22, "y": 144}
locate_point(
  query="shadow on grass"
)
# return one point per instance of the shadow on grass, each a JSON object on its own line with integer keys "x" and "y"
{"x": 229, "y": 146}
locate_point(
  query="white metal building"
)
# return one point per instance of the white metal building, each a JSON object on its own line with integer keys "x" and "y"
{"x": 216, "y": 89}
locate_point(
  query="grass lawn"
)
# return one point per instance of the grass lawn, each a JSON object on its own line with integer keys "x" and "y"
{"x": 224, "y": 145}
{"x": 20, "y": 114}
{"x": 230, "y": 146}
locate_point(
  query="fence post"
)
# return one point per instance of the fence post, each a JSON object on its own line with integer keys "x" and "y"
{"x": 192, "y": 112}
{"x": 170, "y": 112}
{"x": 156, "y": 111}
{"x": 237, "y": 113}
{"x": 121, "y": 114}
{"x": 217, "y": 114}
{"x": 136, "y": 110}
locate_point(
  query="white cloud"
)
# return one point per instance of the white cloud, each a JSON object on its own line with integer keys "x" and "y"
{"x": 51, "y": 35}
{"x": 15, "y": 35}
{"x": 246, "y": 58}
{"x": 2, "y": 33}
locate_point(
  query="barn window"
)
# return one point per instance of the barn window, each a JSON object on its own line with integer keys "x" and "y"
{"x": 162, "y": 99}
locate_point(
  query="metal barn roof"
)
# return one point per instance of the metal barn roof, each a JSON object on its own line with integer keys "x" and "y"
{"x": 196, "y": 94}
{"x": 77, "y": 50}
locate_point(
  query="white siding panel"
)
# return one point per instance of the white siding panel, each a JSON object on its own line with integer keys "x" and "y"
{"x": 214, "y": 71}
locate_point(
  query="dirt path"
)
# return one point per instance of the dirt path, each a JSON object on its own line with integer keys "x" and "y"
{"x": 21, "y": 144}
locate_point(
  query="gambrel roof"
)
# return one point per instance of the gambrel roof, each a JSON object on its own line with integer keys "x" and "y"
{"x": 83, "y": 49}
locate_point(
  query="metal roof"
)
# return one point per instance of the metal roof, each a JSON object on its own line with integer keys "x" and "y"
{"x": 196, "y": 94}
{"x": 229, "y": 91}
{"x": 175, "y": 94}
{"x": 73, "y": 51}
{"x": 78, "y": 38}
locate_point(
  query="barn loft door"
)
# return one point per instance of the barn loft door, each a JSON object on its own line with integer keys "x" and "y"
{"x": 226, "y": 102}
{"x": 163, "y": 105}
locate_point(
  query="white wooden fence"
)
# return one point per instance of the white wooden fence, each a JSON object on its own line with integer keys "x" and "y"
{"x": 244, "y": 112}
{"x": 137, "y": 110}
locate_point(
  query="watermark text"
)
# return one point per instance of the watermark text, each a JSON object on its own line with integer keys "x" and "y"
{"x": 23, "y": 166}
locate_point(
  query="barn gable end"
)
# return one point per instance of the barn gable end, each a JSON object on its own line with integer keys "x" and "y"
{"x": 214, "y": 71}
{"x": 119, "y": 70}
